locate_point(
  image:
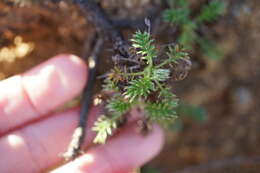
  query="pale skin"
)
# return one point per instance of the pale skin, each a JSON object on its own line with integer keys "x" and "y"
{"x": 33, "y": 136}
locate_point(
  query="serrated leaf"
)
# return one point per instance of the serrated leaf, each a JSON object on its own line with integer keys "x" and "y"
{"x": 160, "y": 75}
{"x": 211, "y": 11}
{"x": 139, "y": 88}
{"x": 175, "y": 53}
{"x": 169, "y": 98}
{"x": 167, "y": 94}
{"x": 104, "y": 127}
{"x": 160, "y": 111}
{"x": 109, "y": 85}
{"x": 181, "y": 3}
{"x": 118, "y": 105}
{"x": 188, "y": 34}
{"x": 176, "y": 16}
{"x": 143, "y": 42}
{"x": 209, "y": 48}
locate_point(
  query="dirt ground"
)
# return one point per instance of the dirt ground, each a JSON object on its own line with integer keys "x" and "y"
{"x": 229, "y": 89}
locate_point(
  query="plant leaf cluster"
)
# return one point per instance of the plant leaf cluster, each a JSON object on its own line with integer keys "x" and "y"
{"x": 180, "y": 15}
{"x": 147, "y": 88}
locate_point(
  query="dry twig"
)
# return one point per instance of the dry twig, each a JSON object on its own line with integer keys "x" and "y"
{"x": 79, "y": 133}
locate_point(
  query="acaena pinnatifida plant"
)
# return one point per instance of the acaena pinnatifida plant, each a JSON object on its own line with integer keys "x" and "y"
{"x": 180, "y": 15}
{"x": 145, "y": 84}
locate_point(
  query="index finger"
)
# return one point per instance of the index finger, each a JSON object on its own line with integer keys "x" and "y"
{"x": 33, "y": 94}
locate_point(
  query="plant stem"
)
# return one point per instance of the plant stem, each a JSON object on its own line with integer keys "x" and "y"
{"x": 159, "y": 85}
{"x": 163, "y": 63}
{"x": 133, "y": 74}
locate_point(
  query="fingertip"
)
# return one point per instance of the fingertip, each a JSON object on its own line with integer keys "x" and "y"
{"x": 76, "y": 61}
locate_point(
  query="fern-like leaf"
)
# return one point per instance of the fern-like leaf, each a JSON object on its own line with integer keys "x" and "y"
{"x": 109, "y": 85}
{"x": 164, "y": 109}
{"x": 160, "y": 111}
{"x": 118, "y": 105}
{"x": 143, "y": 42}
{"x": 104, "y": 127}
{"x": 188, "y": 34}
{"x": 168, "y": 97}
{"x": 211, "y": 11}
{"x": 181, "y": 3}
{"x": 176, "y": 53}
{"x": 139, "y": 88}
{"x": 209, "y": 48}
{"x": 176, "y": 16}
{"x": 160, "y": 75}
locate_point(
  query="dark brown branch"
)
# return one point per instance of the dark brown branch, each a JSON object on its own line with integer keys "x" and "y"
{"x": 129, "y": 23}
{"x": 78, "y": 137}
{"x": 103, "y": 25}
{"x": 220, "y": 164}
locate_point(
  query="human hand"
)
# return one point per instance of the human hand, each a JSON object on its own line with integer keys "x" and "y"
{"x": 33, "y": 136}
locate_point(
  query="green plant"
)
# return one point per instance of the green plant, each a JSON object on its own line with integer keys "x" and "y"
{"x": 146, "y": 87}
{"x": 194, "y": 112}
{"x": 179, "y": 14}
{"x": 190, "y": 112}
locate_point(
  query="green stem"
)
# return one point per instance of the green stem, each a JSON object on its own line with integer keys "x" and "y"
{"x": 163, "y": 63}
{"x": 159, "y": 85}
{"x": 133, "y": 74}
{"x": 150, "y": 66}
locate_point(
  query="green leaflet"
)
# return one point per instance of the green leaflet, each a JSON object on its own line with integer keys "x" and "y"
{"x": 211, "y": 11}
{"x": 160, "y": 111}
{"x": 118, "y": 105}
{"x": 179, "y": 14}
{"x": 143, "y": 42}
{"x": 139, "y": 88}
{"x": 176, "y": 16}
{"x": 160, "y": 75}
{"x": 104, "y": 127}
{"x": 175, "y": 53}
